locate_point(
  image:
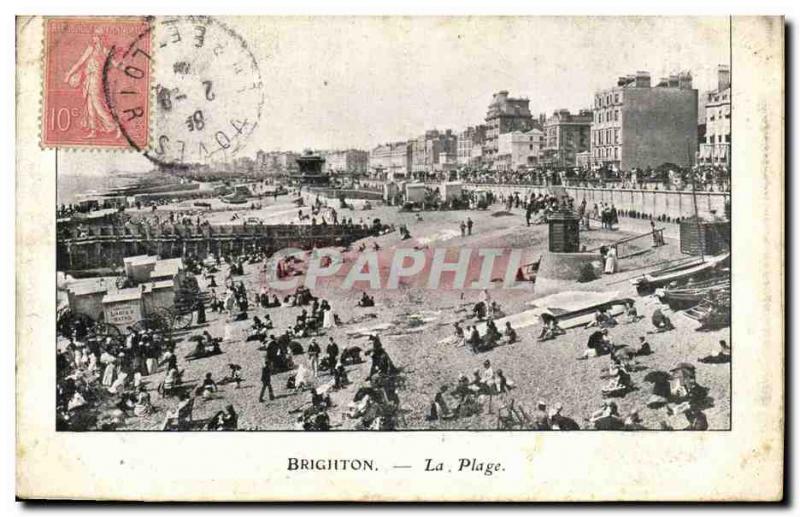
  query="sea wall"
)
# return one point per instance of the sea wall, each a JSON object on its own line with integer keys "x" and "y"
{"x": 335, "y": 194}
{"x": 670, "y": 203}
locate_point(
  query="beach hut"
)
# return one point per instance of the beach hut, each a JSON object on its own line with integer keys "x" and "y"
{"x": 451, "y": 190}
{"x": 564, "y": 234}
{"x": 139, "y": 267}
{"x": 415, "y": 192}
{"x": 389, "y": 191}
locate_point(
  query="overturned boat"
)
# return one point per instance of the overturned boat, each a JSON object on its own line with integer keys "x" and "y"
{"x": 698, "y": 269}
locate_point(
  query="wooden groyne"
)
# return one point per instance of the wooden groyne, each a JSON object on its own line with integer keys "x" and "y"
{"x": 104, "y": 246}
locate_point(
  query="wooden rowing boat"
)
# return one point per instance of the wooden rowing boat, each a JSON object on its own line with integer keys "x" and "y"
{"x": 692, "y": 293}
{"x": 712, "y": 313}
{"x": 698, "y": 269}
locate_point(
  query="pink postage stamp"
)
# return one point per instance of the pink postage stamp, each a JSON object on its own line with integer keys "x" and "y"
{"x": 75, "y": 109}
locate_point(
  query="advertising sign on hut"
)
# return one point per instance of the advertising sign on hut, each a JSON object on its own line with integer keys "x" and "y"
{"x": 123, "y": 308}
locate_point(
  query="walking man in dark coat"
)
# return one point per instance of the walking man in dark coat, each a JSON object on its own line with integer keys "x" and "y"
{"x": 333, "y": 353}
{"x": 266, "y": 382}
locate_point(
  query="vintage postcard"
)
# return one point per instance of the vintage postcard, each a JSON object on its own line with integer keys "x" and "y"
{"x": 400, "y": 258}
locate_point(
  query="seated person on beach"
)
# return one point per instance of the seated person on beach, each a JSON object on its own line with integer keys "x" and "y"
{"x": 477, "y": 385}
{"x": 463, "y": 387}
{"x": 234, "y": 375}
{"x": 620, "y": 382}
{"x": 259, "y": 324}
{"x": 631, "y": 314}
{"x": 540, "y": 420}
{"x": 644, "y": 347}
{"x": 366, "y": 300}
{"x": 126, "y": 402}
{"x": 696, "y": 419}
{"x": 303, "y": 296}
{"x": 143, "y": 405}
{"x": 465, "y": 394}
{"x": 225, "y": 420}
{"x": 479, "y": 310}
{"x": 259, "y": 330}
{"x": 559, "y": 422}
{"x": 208, "y": 387}
{"x": 495, "y": 310}
{"x": 381, "y": 362}
{"x": 206, "y": 346}
{"x": 298, "y": 380}
{"x": 633, "y": 422}
{"x": 550, "y": 328}
{"x": 722, "y": 355}
{"x": 492, "y": 333}
{"x": 660, "y": 321}
{"x": 598, "y": 344}
{"x": 459, "y": 337}
{"x": 474, "y": 340}
{"x": 362, "y": 400}
{"x": 439, "y": 408}
{"x": 351, "y": 355}
{"x": 502, "y": 383}
{"x": 181, "y": 418}
{"x": 510, "y": 333}
{"x": 172, "y": 380}
{"x": 340, "y": 379}
{"x": 488, "y": 377}
{"x": 315, "y": 419}
{"x": 602, "y": 319}
{"x": 301, "y": 319}
{"x": 607, "y": 418}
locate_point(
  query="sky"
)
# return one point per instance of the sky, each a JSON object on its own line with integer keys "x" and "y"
{"x": 341, "y": 82}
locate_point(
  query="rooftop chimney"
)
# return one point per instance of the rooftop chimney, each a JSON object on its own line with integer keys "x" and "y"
{"x": 642, "y": 79}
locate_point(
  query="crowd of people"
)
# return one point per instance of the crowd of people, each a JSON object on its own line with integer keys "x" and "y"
{"x": 135, "y": 374}
{"x": 665, "y": 177}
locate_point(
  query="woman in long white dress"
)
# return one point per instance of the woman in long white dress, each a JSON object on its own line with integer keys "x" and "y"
{"x": 611, "y": 261}
{"x": 109, "y": 371}
{"x": 328, "y": 320}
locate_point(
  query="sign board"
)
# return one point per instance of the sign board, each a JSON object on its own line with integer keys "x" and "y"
{"x": 123, "y": 313}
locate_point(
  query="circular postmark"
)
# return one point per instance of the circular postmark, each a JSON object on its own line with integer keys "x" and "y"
{"x": 206, "y": 94}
